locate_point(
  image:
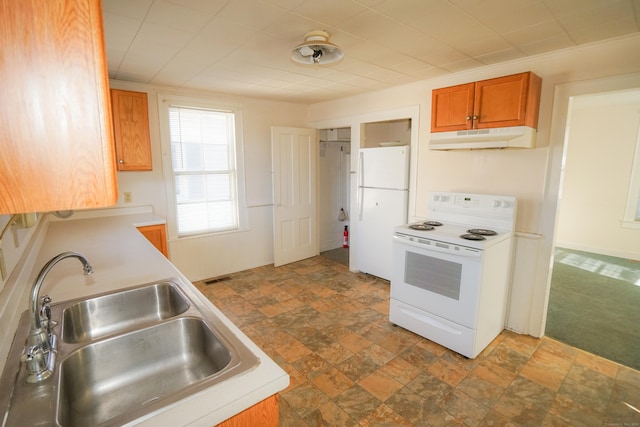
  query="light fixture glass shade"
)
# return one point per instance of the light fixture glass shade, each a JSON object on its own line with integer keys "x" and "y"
{"x": 316, "y": 49}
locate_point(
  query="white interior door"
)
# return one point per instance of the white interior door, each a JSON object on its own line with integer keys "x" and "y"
{"x": 294, "y": 161}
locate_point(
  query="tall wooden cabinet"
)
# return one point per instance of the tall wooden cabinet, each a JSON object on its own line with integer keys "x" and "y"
{"x": 501, "y": 102}
{"x": 131, "y": 126}
{"x": 55, "y": 117}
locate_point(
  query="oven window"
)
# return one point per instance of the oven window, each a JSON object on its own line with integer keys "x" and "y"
{"x": 433, "y": 274}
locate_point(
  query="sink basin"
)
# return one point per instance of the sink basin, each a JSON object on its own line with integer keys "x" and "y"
{"x": 106, "y": 315}
{"x": 122, "y": 374}
{"x": 122, "y": 356}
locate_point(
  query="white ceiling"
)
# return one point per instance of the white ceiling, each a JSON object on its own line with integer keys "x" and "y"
{"x": 243, "y": 46}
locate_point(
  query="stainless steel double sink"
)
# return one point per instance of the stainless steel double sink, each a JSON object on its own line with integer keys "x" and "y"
{"x": 123, "y": 355}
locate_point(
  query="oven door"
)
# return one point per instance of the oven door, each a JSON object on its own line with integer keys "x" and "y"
{"x": 437, "y": 278}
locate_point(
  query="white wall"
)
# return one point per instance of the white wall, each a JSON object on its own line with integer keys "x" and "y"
{"x": 214, "y": 255}
{"x": 333, "y": 192}
{"x": 13, "y": 244}
{"x": 527, "y": 174}
{"x": 601, "y": 144}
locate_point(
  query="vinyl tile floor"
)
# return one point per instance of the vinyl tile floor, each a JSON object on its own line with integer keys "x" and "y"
{"x": 349, "y": 366}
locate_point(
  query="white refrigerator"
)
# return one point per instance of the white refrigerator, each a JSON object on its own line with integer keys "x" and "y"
{"x": 383, "y": 194}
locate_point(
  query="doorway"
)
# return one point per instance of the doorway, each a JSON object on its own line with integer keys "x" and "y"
{"x": 595, "y": 282}
{"x": 333, "y": 193}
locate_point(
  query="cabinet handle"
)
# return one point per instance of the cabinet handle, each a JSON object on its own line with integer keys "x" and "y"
{"x": 468, "y": 117}
{"x": 475, "y": 117}
{"x": 121, "y": 161}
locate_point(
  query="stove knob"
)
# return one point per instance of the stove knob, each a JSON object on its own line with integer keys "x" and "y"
{"x": 505, "y": 204}
{"x": 436, "y": 198}
{"x": 496, "y": 203}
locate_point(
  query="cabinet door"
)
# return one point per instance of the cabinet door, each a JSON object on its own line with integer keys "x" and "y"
{"x": 131, "y": 126}
{"x": 262, "y": 414}
{"x": 452, "y": 108}
{"x": 507, "y": 101}
{"x": 156, "y": 234}
{"x": 55, "y": 118}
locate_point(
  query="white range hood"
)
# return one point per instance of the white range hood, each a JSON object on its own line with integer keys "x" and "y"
{"x": 507, "y": 137}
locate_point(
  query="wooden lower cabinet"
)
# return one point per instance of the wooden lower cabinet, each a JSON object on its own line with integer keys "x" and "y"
{"x": 156, "y": 234}
{"x": 262, "y": 414}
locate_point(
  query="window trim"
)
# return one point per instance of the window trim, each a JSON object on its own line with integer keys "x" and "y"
{"x": 164, "y": 102}
{"x": 631, "y": 212}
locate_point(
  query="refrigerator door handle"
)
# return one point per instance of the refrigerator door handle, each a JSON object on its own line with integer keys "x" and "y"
{"x": 361, "y": 169}
{"x": 360, "y": 195}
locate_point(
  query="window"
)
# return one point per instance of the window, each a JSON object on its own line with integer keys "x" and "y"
{"x": 204, "y": 142}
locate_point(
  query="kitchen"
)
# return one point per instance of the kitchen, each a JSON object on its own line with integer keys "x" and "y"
{"x": 530, "y": 178}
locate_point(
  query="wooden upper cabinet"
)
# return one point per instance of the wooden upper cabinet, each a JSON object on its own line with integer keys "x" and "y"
{"x": 501, "y": 102}
{"x": 131, "y": 127}
{"x": 55, "y": 118}
{"x": 508, "y": 101}
{"x": 452, "y": 108}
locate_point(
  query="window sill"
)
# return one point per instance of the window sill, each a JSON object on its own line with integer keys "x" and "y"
{"x": 211, "y": 234}
{"x": 630, "y": 224}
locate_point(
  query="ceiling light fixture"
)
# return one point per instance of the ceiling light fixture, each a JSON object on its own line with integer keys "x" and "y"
{"x": 316, "y": 49}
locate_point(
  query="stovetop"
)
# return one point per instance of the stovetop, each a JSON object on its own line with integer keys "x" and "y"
{"x": 460, "y": 212}
{"x": 450, "y": 233}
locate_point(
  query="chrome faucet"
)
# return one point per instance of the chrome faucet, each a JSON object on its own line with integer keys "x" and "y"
{"x": 41, "y": 342}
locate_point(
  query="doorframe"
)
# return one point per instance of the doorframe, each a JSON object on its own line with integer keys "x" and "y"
{"x": 356, "y": 123}
{"x": 563, "y": 94}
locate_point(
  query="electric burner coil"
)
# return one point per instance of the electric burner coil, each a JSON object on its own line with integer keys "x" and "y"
{"x": 482, "y": 232}
{"x": 472, "y": 236}
{"x": 421, "y": 227}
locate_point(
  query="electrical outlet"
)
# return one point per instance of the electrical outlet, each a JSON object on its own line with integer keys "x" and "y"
{"x": 128, "y": 198}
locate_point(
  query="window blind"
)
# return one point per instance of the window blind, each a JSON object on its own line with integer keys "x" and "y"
{"x": 203, "y": 161}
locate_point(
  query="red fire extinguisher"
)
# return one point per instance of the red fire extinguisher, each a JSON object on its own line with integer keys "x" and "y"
{"x": 345, "y": 237}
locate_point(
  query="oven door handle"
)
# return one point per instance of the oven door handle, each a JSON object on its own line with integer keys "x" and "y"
{"x": 461, "y": 251}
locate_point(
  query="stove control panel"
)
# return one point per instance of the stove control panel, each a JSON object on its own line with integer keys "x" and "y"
{"x": 468, "y": 208}
{"x": 501, "y": 203}
{"x": 471, "y": 201}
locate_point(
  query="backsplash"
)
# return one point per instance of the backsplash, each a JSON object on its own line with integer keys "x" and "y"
{"x": 13, "y": 244}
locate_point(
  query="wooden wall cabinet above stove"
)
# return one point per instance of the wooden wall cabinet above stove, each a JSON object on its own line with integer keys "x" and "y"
{"x": 501, "y": 102}
{"x": 131, "y": 127}
{"x": 55, "y": 118}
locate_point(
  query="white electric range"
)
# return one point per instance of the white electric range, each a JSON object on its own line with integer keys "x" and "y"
{"x": 451, "y": 273}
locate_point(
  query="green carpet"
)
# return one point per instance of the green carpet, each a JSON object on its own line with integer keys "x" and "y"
{"x": 594, "y": 305}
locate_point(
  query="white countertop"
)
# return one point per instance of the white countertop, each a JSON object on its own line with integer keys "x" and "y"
{"x": 122, "y": 257}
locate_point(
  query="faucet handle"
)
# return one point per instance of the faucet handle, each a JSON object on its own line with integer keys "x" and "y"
{"x": 39, "y": 363}
{"x": 45, "y": 313}
{"x": 35, "y": 360}
{"x": 45, "y": 307}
